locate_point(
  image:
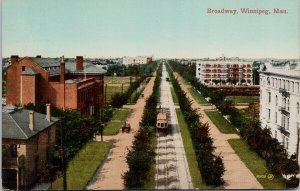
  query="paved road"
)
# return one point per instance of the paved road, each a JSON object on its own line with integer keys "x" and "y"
{"x": 237, "y": 175}
{"x": 172, "y": 170}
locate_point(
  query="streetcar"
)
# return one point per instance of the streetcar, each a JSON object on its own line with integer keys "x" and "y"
{"x": 162, "y": 121}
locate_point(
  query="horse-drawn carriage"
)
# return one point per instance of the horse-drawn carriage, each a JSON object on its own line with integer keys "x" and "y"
{"x": 126, "y": 127}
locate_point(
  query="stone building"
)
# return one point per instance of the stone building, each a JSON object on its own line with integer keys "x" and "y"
{"x": 27, "y": 137}
{"x": 279, "y": 103}
{"x": 66, "y": 84}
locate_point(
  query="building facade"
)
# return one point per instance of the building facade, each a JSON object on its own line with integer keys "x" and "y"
{"x": 227, "y": 72}
{"x": 27, "y": 138}
{"x": 66, "y": 84}
{"x": 279, "y": 103}
{"x": 137, "y": 60}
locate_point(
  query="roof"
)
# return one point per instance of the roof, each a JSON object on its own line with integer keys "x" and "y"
{"x": 30, "y": 71}
{"x": 15, "y": 124}
{"x": 291, "y": 70}
{"x": 88, "y": 68}
{"x": 162, "y": 116}
{"x": 70, "y": 64}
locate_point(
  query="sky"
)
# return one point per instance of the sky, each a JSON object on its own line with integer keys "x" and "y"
{"x": 163, "y": 28}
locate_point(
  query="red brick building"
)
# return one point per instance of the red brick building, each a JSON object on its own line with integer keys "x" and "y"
{"x": 227, "y": 71}
{"x": 66, "y": 84}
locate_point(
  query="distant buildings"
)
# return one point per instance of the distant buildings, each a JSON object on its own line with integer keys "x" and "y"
{"x": 63, "y": 83}
{"x": 279, "y": 102}
{"x": 27, "y": 138}
{"x": 212, "y": 72}
{"x": 137, "y": 60}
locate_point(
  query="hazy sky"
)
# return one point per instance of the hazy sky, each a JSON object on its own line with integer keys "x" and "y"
{"x": 164, "y": 28}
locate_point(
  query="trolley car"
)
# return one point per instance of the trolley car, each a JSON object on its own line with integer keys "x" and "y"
{"x": 162, "y": 121}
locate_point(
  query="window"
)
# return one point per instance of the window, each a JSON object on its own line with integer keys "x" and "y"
{"x": 269, "y": 93}
{"x": 275, "y": 117}
{"x": 269, "y": 114}
{"x": 298, "y": 107}
{"x": 13, "y": 150}
{"x": 275, "y": 134}
{"x": 23, "y": 68}
{"x": 288, "y": 105}
{"x": 268, "y": 81}
{"x": 287, "y": 123}
{"x": 287, "y": 143}
{"x": 284, "y": 103}
{"x": 276, "y": 100}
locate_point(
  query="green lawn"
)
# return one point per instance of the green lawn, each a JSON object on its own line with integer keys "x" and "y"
{"x": 112, "y": 90}
{"x": 256, "y": 165}
{"x": 120, "y": 114}
{"x": 174, "y": 96}
{"x": 243, "y": 99}
{"x": 220, "y": 122}
{"x": 197, "y": 97}
{"x": 197, "y": 180}
{"x": 114, "y": 125}
{"x": 83, "y": 166}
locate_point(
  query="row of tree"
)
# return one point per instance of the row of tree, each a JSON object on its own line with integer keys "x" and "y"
{"x": 131, "y": 70}
{"x": 258, "y": 139}
{"x": 120, "y": 98}
{"x": 141, "y": 156}
{"x": 211, "y": 166}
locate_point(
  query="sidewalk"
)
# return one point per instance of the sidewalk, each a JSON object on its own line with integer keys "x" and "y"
{"x": 237, "y": 175}
{"x": 110, "y": 177}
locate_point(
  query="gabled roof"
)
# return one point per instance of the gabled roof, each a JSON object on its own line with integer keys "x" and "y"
{"x": 15, "y": 124}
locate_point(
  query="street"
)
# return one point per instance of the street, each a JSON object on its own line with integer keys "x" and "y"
{"x": 172, "y": 170}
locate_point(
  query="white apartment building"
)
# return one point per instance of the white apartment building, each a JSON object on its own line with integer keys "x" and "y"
{"x": 279, "y": 103}
{"x": 226, "y": 70}
{"x": 135, "y": 60}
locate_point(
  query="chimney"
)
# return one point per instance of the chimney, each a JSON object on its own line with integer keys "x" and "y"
{"x": 62, "y": 70}
{"x": 38, "y": 56}
{"x": 48, "y": 114}
{"x": 31, "y": 120}
{"x": 14, "y": 59}
{"x": 79, "y": 63}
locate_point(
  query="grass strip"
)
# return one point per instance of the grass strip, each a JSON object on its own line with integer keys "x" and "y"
{"x": 83, "y": 166}
{"x": 117, "y": 121}
{"x": 222, "y": 124}
{"x": 197, "y": 180}
{"x": 256, "y": 165}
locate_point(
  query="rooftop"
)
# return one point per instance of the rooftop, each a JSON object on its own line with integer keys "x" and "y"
{"x": 291, "y": 69}
{"x": 54, "y": 66}
{"x": 15, "y": 123}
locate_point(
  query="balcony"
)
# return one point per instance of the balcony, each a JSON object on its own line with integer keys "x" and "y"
{"x": 14, "y": 162}
{"x": 284, "y": 110}
{"x": 283, "y": 130}
{"x": 284, "y": 92}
